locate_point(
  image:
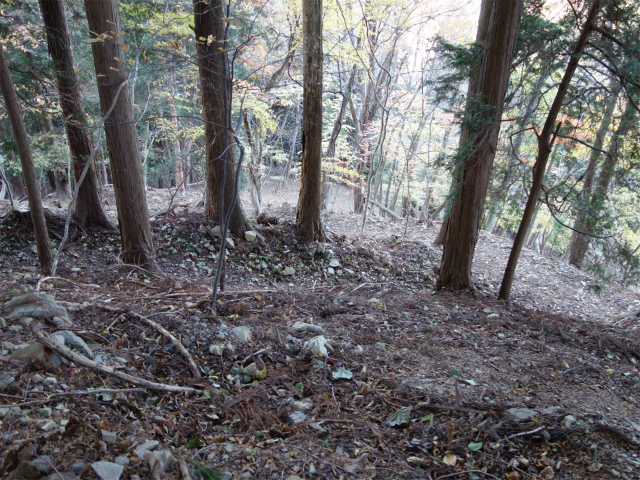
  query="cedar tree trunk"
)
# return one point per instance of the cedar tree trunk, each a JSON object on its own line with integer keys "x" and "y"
{"x": 120, "y": 132}
{"x": 310, "y": 200}
{"x": 216, "y": 113}
{"x": 88, "y": 207}
{"x": 468, "y": 202}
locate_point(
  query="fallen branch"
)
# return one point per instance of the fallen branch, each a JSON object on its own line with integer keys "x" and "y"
{"x": 64, "y": 352}
{"x": 176, "y": 343}
{"x": 385, "y": 209}
{"x": 184, "y": 469}
{"x": 457, "y": 474}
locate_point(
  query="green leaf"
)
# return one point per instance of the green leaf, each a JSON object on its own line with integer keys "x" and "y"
{"x": 426, "y": 418}
{"x": 400, "y": 417}
{"x": 207, "y": 393}
{"x": 474, "y": 447}
{"x": 194, "y": 443}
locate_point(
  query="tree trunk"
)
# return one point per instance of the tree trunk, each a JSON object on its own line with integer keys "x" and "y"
{"x": 468, "y": 203}
{"x": 310, "y": 200}
{"x": 36, "y": 210}
{"x": 253, "y": 170}
{"x": 481, "y": 37}
{"x": 579, "y": 241}
{"x": 120, "y": 132}
{"x": 180, "y": 184}
{"x": 221, "y": 192}
{"x": 544, "y": 150}
{"x": 88, "y": 206}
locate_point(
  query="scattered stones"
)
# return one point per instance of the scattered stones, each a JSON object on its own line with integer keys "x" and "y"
{"x": 334, "y": 263}
{"x": 48, "y": 425}
{"x": 107, "y": 470}
{"x": 216, "y": 349}
{"x": 74, "y": 340}
{"x": 121, "y": 460}
{"x": 35, "y": 351}
{"x": 522, "y": 414}
{"x": 3, "y": 323}
{"x": 289, "y": 271}
{"x": 568, "y": 420}
{"x": 7, "y": 379}
{"x": 77, "y": 467}
{"x": 241, "y": 333}
{"x": 250, "y": 235}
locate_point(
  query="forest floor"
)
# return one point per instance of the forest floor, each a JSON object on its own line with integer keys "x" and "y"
{"x": 414, "y": 383}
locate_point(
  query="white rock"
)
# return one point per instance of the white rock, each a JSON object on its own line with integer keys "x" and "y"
{"x": 144, "y": 448}
{"x": 289, "y": 271}
{"x": 241, "y": 333}
{"x": 334, "y": 263}
{"x": 318, "y": 345}
{"x": 250, "y": 235}
{"x": 107, "y": 470}
{"x": 306, "y": 327}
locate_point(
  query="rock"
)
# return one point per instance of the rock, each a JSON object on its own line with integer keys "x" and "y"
{"x": 121, "y": 460}
{"x": 51, "y": 381}
{"x": 3, "y": 323}
{"x": 289, "y": 271}
{"x": 60, "y": 476}
{"x": 318, "y": 346}
{"x": 43, "y": 464}
{"x": 77, "y": 467}
{"x": 334, "y": 263}
{"x": 250, "y": 235}
{"x": 48, "y": 425}
{"x": 522, "y": 414}
{"x": 24, "y": 471}
{"x": 7, "y": 412}
{"x": 306, "y": 327}
{"x": 331, "y": 271}
{"x": 109, "y": 437}
{"x": 73, "y": 340}
{"x": 62, "y": 322}
{"x": 160, "y": 462}
{"x": 148, "y": 446}
{"x": 36, "y": 305}
{"x": 230, "y": 244}
{"x": 349, "y": 272}
{"x": 216, "y": 349}
{"x": 241, "y": 333}
{"x": 35, "y": 351}
{"x": 107, "y": 470}
{"x": 45, "y": 411}
{"x": 297, "y": 417}
{"x": 7, "y": 379}
{"x": 547, "y": 473}
{"x": 568, "y": 420}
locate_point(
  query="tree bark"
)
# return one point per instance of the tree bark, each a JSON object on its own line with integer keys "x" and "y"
{"x": 253, "y": 170}
{"x": 544, "y": 150}
{"x": 216, "y": 84}
{"x": 310, "y": 200}
{"x": 120, "y": 132}
{"x": 468, "y": 202}
{"x": 88, "y": 206}
{"x": 36, "y": 210}
{"x": 180, "y": 183}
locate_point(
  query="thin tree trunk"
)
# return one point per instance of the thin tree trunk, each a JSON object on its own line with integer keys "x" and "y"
{"x": 253, "y": 170}
{"x": 20, "y": 136}
{"x": 468, "y": 203}
{"x": 120, "y": 131}
{"x": 310, "y": 201}
{"x": 180, "y": 185}
{"x": 544, "y": 150}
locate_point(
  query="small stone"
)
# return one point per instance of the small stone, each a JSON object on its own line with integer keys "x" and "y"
{"x": 331, "y": 271}
{"x": 145, "y": 447}
{"x": 62, "y": 322}
{"x": 547, "y": 473}
{"x": 289, "y": 271}
{"x": 522, "y": 414}
{"x": 186, "y": 342}
{"x": 50, "y": 381}
{"x": 74, "y": 340}
{"x": 43, "y": 464}
{"x": 48, "y": 425}
{"x": 297, "y": 417}
{"x": 107, "y": 470}
{"x": 77, "y": 467}
{"x": 306, "y": 327}
{"x": 349, "y": 272}
{"x": 230, "y": 244}
{"x": 109, "y": 437}
{"x": 121, "y": 460}
{"x": 160, "y": 462}
{"x": 3, "y": 323}
{"x": 241, "y": 333}
{"x": 568, "y": 420}
{"x": 45, "y": 411}
{"x": 216, "y": 349}
{"x": 334, "y": 263}
{"x": 6, "y": 380}
{"x": 250, "y": 235}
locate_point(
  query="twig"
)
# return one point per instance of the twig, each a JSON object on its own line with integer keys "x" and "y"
{"x": 455, "y": 474}
{"x": 55, "y": 396}
{"x": 176, "y": 343}
{"x": 521, "y": 434}
{"x": 184, "y": 470}
{"x": 63, "y": 351}
{"x": 90, "y": 285}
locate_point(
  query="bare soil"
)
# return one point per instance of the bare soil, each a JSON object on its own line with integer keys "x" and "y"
{"x": 435, "y": 376}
